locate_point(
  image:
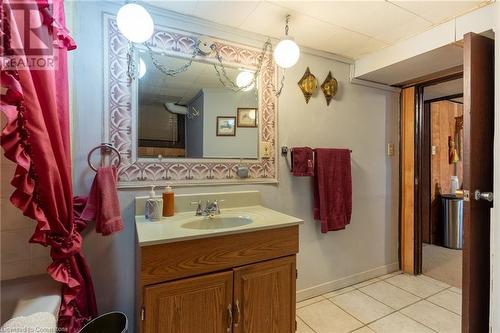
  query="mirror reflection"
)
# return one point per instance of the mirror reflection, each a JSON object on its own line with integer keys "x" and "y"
{"x": 192, "y": 115}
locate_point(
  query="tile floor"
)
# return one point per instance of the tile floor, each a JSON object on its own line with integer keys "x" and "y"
{"x": 393, "y": 303}
{"x": 442, "y": 264}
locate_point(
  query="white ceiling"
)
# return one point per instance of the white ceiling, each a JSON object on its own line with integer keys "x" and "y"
{"x": 158, "y": 88}
{"x": 348, "y": 28}
{"x": 444, "y": 89}
{"x": 434, "y": 61}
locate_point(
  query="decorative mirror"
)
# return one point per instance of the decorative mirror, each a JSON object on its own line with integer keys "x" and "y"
{"x": 188, "y": 128}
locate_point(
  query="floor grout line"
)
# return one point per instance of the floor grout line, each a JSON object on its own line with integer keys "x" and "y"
{"x": 428, "y": 300}
{"x": 401, "y": 313}
{"x": 305, "y": 322}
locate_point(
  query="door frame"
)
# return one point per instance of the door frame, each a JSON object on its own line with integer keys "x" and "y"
{"x": 411, "y": 171}
{"x": 423, "y": 161}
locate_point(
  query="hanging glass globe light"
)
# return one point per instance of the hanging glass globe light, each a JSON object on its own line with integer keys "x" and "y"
{"x": 142, "y": 68}
{"x": 287, "y": 52}
{"x": 244, "y": 80}
{"x": 135, "y": 23}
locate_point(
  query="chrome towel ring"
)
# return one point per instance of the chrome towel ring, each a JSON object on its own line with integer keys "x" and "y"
{"x": 106, "y": 148}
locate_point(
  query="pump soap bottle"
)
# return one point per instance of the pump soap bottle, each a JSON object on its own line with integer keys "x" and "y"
{"x": 153, "y": 206}
{"x": 168, "y": 201}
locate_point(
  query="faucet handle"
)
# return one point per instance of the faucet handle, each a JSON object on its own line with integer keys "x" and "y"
{"x": 217, "y": 204}
{"x": 199, "y": 210}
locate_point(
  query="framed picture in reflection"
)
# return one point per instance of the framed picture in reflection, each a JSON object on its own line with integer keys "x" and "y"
{"x": 247, "y": 117}
{"x": 226, "y": 126}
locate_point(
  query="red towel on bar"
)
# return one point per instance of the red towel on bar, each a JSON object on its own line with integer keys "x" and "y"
{"x": 103, "y": 206}
{"x": 302, "y": 161}
{"x": 332, "y": 188}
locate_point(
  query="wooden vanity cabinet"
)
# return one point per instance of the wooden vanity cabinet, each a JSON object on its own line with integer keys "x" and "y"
{"x": 264, "y": 297}
{"x": 253, "y": 293}
{"x": 199, "y": 304}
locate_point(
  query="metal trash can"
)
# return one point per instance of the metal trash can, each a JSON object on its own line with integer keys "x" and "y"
{"x": 453, "y": 207}
{"x": 112, "y": 322}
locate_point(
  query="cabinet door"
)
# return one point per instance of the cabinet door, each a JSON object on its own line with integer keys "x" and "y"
{"x": 264, "y": 297}
{"x": 195, "y": 305}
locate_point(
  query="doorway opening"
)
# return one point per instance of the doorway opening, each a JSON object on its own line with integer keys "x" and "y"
{"x": 440, "y": 166}
{"x": 417, "y": 215}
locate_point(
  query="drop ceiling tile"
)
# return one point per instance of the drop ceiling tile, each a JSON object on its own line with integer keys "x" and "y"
{"x": 371, "y": 18}
{"x": 307, "y": 31}
{"x": 230, "y": 13}
{"x": 362, "y": 46}
{"x": 269, "y": 20}
{"x": 410, "y": 28}
{"x": 438, "y": 11}
{"x": 183, "y": 7}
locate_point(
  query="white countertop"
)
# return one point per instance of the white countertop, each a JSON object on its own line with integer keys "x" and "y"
{"x": 169, "y": 229}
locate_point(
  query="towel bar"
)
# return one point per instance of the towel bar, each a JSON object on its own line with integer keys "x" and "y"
{"x": 106, "y": 148}
{"x": 284, "y": 153}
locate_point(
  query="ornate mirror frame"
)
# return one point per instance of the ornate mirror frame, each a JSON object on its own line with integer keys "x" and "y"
{"x": 120, "y": 124}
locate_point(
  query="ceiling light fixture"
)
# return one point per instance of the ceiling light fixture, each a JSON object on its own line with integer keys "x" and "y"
{"x": 135, "y": 23}
{"x": 287, "y": 52}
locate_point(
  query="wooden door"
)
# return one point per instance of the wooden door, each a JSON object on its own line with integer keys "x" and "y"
{"x": 478, "y": 175}
{"x": 194, "y": 305}
{"x": 407, "y": 203}
{"x": 264, "y": 297}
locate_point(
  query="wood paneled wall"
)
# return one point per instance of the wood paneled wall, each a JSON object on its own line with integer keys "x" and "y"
{"x": 408, "y": 180}
{"x": 443, "y": 114}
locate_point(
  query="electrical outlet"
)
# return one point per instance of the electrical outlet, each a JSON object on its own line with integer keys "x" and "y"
{"x": 390, "y": 149}
{"x": 433, "y": 150}
{"x": 267, "y": 149}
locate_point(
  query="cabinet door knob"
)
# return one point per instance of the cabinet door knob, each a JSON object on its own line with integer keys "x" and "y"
{"x": 229, "y": 318}
{"x": 238, "y": 314}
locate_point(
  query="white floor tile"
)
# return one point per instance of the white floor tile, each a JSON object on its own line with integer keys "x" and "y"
{"x": 436, "y": 282}
{"x": 361, "y": 306}
{"x": 456, "y": 290}
{"x": 433, "y": 316}
{"x": 414, "y": 285}
{"x": 302, "y": 327}
{"x": 365, "y": 283}
{"x": 326, "y": 317}
{"x": 309, "y": 301}
{"x": 448, "y": 300}
{"x": 386, "y": 276}
{"x": 338, "y": 292}
{"x": 398, "y": 323}
{"x": 390, "y": 295}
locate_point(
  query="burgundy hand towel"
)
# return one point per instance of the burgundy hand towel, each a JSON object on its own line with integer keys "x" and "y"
{"x": 332, "y": 188}
{"x": 103, "y": 206}
{"x": 302, "y": 161}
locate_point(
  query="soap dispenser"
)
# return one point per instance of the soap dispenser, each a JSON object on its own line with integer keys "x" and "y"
{"x": 168, "y": 201}
{"x": 153, "y": 209}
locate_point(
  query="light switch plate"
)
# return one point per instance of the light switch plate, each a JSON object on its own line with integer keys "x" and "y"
{"x": 433, "y": 150}
{"x": 390, "y": 149}
{"x": 267, "y": 149}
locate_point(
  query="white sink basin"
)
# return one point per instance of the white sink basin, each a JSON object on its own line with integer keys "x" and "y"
{"x": 218, "y": 222}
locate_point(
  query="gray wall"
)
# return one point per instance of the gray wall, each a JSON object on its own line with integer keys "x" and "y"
{"x": 361, "y": 118}
{"x": 156, "y": 123}
{"x": 194, "y": 129}
{"x": 223, "y": 102}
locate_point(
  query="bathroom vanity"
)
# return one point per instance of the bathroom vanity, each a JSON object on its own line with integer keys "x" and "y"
{"x": 234, "y": 272}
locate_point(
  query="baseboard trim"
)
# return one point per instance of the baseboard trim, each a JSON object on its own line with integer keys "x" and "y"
{"x": 346, "y": 281}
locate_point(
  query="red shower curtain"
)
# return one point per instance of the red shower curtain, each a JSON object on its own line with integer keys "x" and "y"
{"x": 34, "y": 98}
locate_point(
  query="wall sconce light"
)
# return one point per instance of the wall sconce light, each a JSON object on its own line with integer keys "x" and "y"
{"x": 287, "y": 52}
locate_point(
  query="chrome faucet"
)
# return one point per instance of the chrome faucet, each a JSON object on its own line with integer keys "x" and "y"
{"x": 211, "y": 207}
